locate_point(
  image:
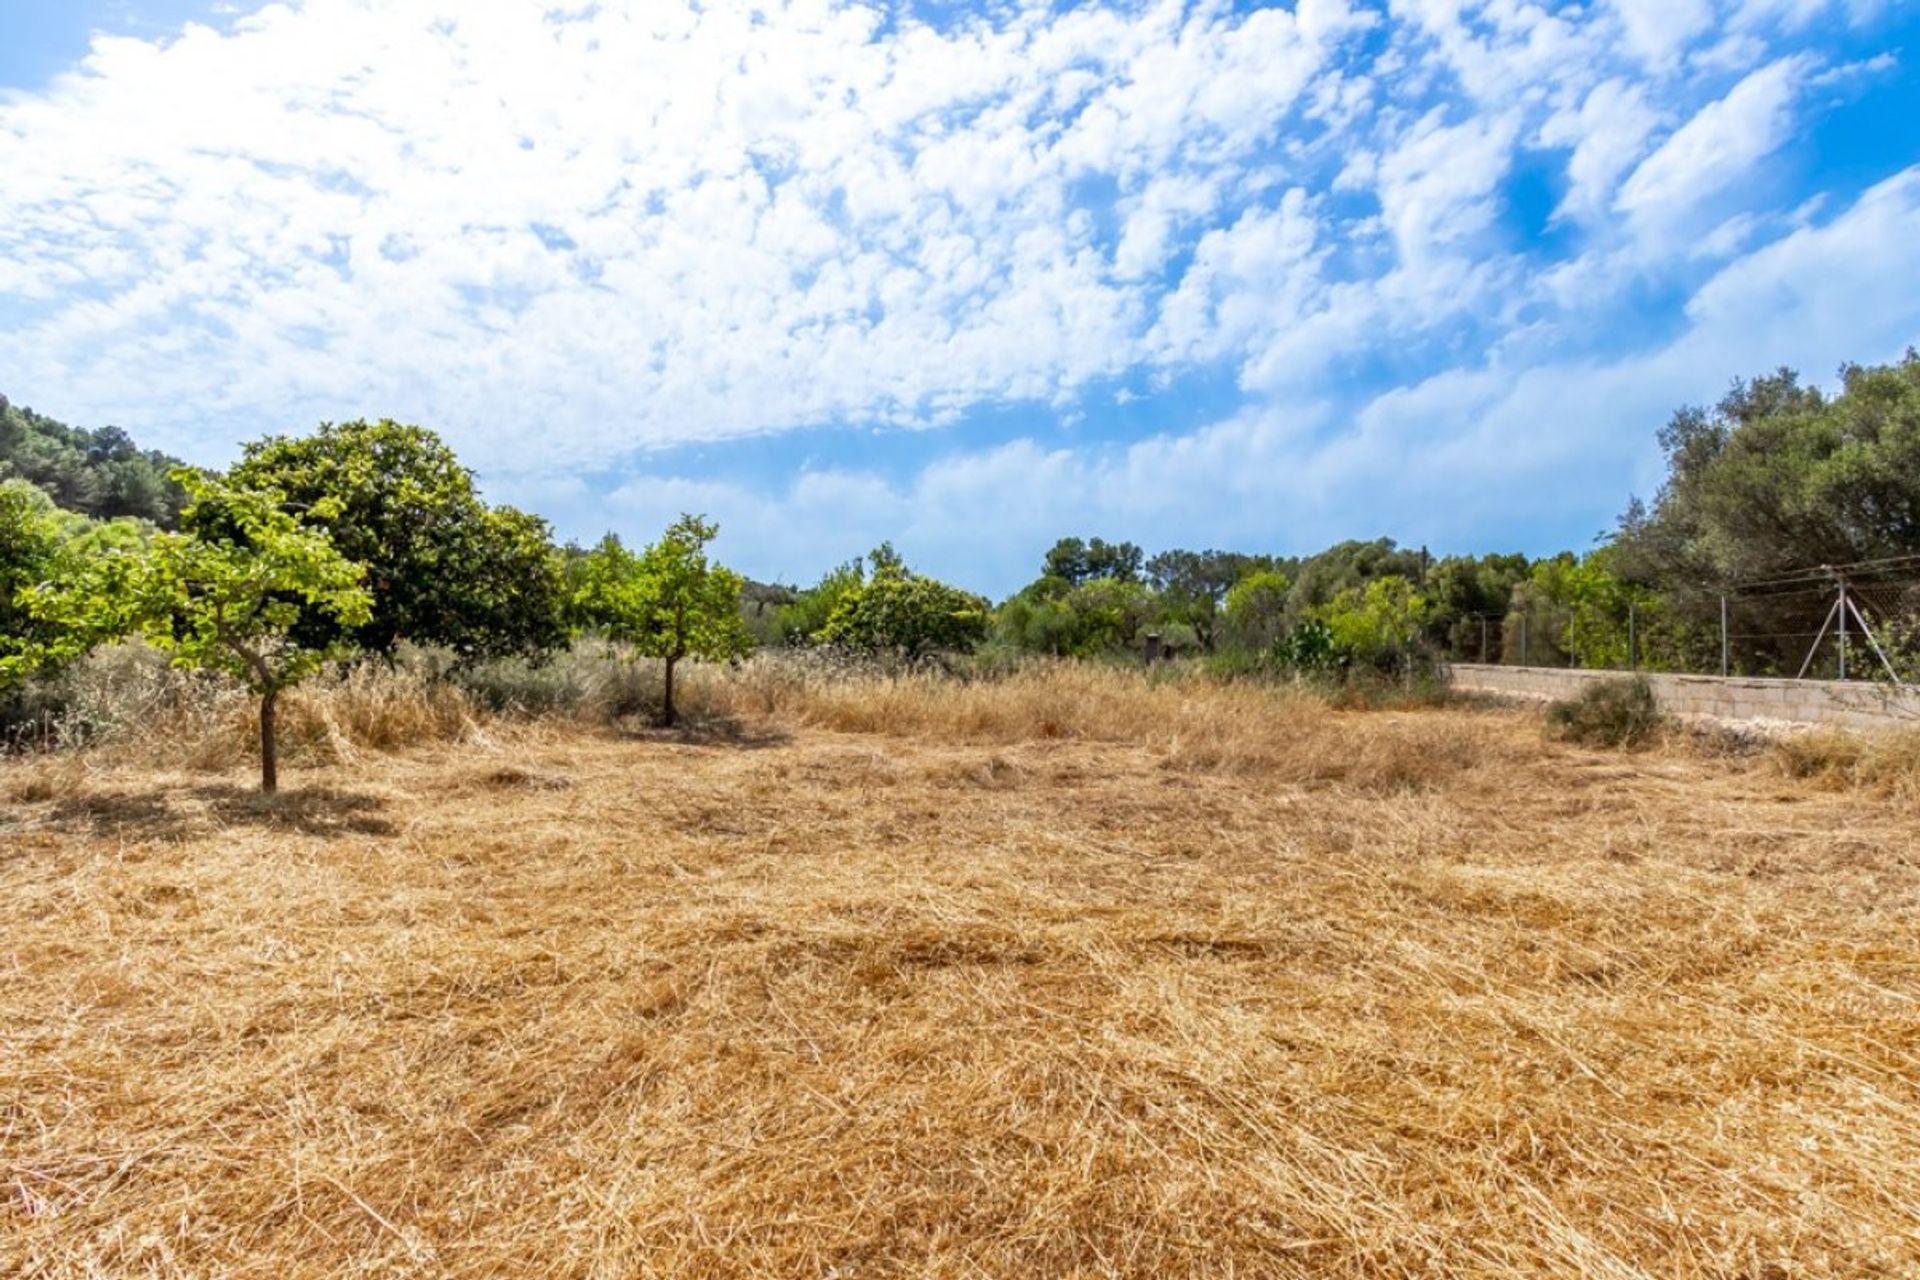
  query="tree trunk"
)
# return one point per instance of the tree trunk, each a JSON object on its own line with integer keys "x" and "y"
{"x": 269, "y": 750}
{"x": 666, "y": 713}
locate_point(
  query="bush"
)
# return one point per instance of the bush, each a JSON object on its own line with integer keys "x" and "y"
{"x": 1310, "y": 646}
{"x": 592, "y": 681}
{"x": 1607, "y": 713}
{"x": 106, "y": 694}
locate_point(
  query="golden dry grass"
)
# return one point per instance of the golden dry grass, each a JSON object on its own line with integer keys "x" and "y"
{"x": 1063, "y": 976}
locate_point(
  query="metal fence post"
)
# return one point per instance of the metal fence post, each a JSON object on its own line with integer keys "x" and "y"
{"x": 1523, "y": 639}
{"x": 1843, "y": 628}
{"x": 1633, "y": 637}
{"x": 1725, "y": 653}
{"x": 1483, "y": 639}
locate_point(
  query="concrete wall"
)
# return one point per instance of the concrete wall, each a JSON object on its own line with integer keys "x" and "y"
{"x": 1856, "y": 704}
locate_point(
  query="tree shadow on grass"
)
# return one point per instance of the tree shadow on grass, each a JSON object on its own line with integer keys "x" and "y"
{"x": 705, "y": 731}
{"x": 120, "y": 813}
{"x": 312, "y": 811}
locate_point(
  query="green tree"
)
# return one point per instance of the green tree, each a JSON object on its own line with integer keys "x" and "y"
{"x": 1110, "y": 615}
{"x": 100, "y": 474}
{"x": 1467, "y": 592}
{"x": 443, "y": 567}
{"x": 40, "y": 544}
{"x": 1778, "y": 477}
{"x": 761, "y": 606}
{"x": 1194, "y": 584}
{"x": 669, "y": 601}
{"x": 1080, "y": 561}
{"x": 227, "y": 601}
{"x": 1348, "y": 565}
{"x": 1580, "y": 610}
{"x": 1256, "y": 609}
{"x": 802, "y": 618}
{"x": 1097, "y": 616}
{"x": 29, "y": 543}
{"x": 1037, "y": 619}
{"x": 899, "y": 613}
{"x": 1378, "y": 623}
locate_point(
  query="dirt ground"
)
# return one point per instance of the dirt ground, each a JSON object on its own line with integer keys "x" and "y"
{"x": 790, "y": 1002}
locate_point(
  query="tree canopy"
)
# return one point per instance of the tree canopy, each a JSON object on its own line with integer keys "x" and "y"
{"x": 443, "y": 567}
{"x": 1078, "y": 561}
{"x": 1778, "y": 477}
{"x": 899, "y": 613}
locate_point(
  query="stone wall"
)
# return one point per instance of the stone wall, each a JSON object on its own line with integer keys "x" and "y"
{"x": 1856, "y": 704}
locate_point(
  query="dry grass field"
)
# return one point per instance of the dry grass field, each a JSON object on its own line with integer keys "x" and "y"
{"x": 1067, "y": 976}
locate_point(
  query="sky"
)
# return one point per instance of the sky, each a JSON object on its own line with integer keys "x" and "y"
{"x": 968, "y": 277}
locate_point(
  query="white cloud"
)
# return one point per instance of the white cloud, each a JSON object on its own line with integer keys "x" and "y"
{"x": 1246, "y": 281}
{"x": 575, "y": 237}
{"x": 658, "y": 223}
{"x": 1608, "y": 134}
{"x": 1452, "y": 461}
{"x": 1438, "y": 186}
{"x": 1660, "y": 30}
{"x": 1714, "y": 150}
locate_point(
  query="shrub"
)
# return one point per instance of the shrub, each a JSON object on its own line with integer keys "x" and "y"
{"x": 592, "y": 681}
{"x": 1607, "y": 713}
{"x": 1310, "y": 646}
{"x": 901, "y": 615}
{"x": 106, "y": 694}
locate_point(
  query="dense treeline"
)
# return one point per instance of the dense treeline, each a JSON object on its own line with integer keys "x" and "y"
{"x": 101, "y": 474}
{"x": 1763, "y": 489}
{"x": 364, "y": 535}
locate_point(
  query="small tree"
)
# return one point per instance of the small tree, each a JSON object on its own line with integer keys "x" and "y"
{"x": 41, "y": 548}
{"x": 1380, "y": 623}
{"x": 1256, "y": 611}
{"x": 905, "y": 614}
{"x": 227, "y": 598}
{"x": 669, "y": 601}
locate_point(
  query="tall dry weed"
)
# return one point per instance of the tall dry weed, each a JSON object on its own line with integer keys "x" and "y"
{"x": 1882, "y": 764}
{"x": 1285, "y": 732}
{"x": 125, "y": 700}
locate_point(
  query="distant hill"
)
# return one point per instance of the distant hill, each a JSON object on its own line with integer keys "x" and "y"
{"x": 101, "y": 473}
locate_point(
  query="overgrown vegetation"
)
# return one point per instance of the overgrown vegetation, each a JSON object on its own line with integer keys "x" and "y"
{"x": 1617, "y": 712}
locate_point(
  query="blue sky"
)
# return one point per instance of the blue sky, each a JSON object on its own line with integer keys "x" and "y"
{"x": 967, "y": 278}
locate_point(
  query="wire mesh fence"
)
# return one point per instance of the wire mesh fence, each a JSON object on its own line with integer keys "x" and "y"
{"x": 1829, "y": 622}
